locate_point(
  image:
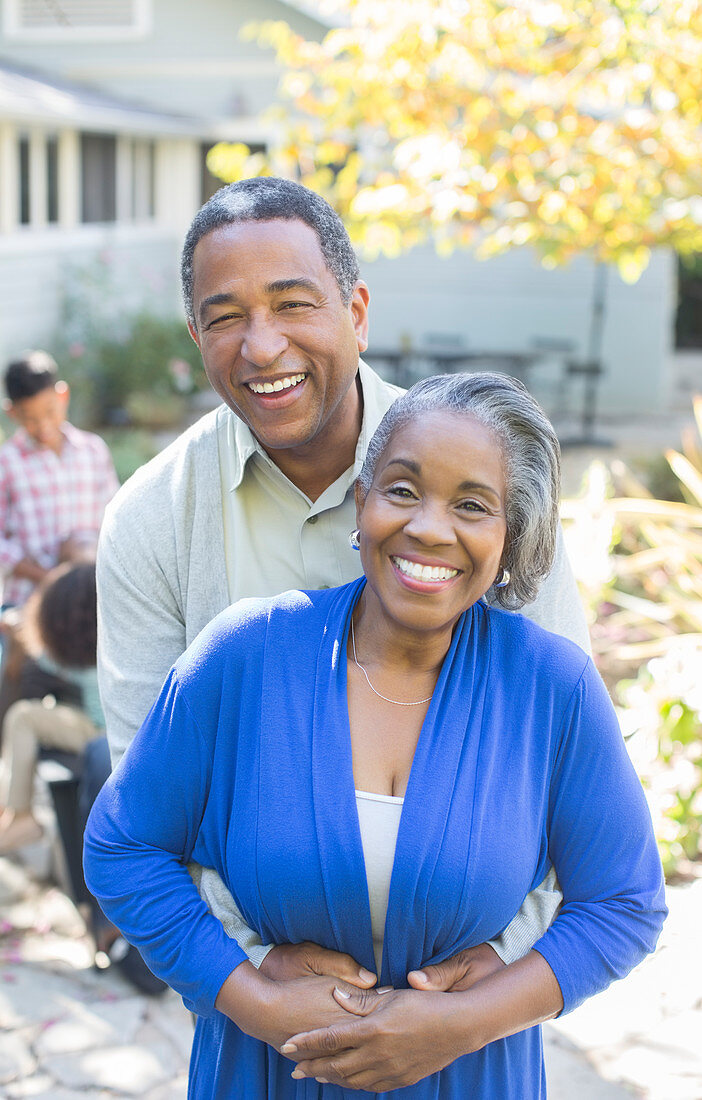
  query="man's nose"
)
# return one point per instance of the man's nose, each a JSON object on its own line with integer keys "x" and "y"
{"x": 263, "y": 342}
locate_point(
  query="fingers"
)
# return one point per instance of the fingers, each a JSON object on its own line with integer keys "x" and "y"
{"x": 323, "y": 1042}
{"x": 459, "y": 972}
{"x": 335, "y": 964}
{"x": 361, "y": 1002}
{"x": 439, "y": 977}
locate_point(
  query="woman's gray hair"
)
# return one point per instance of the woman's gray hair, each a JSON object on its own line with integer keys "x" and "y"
{"x": 269, "y": 198}
{"x": 531, "y": 456}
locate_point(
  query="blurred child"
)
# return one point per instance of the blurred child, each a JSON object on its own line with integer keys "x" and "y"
{"x": 55, "y": 480}
{"x": 60, "y": 630}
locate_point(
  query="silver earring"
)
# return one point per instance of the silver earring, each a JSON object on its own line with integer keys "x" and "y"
{"x": 502, "y": 579}
{"x": 355, "y": 540}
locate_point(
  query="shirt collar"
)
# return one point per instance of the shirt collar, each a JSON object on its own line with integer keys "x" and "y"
{"x": 26, "y": 445}
{"x": 378, "y": 395}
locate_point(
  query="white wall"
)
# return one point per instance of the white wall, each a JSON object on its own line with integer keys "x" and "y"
{"x": 511, "y": 302}
{"x": 139, "y": 263}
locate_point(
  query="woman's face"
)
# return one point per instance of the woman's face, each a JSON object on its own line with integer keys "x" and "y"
{"x": 433, "y": 523}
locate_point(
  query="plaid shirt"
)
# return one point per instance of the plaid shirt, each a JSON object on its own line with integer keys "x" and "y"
{"x": 46, "y": 497}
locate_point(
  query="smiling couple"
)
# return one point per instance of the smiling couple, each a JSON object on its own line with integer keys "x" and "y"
{"x": 372, "y": 779}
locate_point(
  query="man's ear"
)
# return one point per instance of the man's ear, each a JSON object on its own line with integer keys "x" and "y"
{"x": 359, "y": 313}
{"x": 193, "y": 332}
{"x": 64, "y": 391}
{"x": 359, "y": 496}
{"x": 9, "y": 409}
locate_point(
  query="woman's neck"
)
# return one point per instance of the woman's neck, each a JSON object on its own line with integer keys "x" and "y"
{"x": 383, "y": 642}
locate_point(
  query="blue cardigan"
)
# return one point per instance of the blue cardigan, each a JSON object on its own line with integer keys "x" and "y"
{"x": 244, "y": 765}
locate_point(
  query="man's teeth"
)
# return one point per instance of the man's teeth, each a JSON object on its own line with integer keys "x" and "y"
{"x": 424, "y": 572}
{"x": 279, "y": 384}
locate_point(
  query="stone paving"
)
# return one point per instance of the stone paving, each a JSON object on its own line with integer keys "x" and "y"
{"x": 70, "y": 1031}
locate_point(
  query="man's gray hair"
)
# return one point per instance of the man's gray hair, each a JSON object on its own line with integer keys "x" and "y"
{"x": 267, "y": 198}
{"x": 531, "y": 456}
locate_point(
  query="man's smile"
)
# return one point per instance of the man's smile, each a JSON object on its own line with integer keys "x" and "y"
{"x": 287, "y": 382}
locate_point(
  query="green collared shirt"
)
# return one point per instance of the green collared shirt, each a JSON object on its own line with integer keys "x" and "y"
{"x": 275, "y": 537}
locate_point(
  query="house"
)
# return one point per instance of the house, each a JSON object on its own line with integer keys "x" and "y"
{"x": 102, "y": 155}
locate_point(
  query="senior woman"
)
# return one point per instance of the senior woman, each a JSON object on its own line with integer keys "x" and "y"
{"x": 387, "y": 769}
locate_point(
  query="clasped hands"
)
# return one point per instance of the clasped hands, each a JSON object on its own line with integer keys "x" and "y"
{"x": 386, "y": 1038}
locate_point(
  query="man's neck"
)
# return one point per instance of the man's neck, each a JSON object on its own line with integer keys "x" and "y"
{"x": 315, "y": 466}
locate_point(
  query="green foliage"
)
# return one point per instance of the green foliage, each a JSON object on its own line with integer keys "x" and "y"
{"x": 108, "y": 357}
{"x": 130, "y": 449}
{"x": 639, "y": 560}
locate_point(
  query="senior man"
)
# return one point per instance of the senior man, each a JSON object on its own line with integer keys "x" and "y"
{"x": 257, "y": 497}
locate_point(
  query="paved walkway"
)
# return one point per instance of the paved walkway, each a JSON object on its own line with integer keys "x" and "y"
{"x": 69, "y": 1031}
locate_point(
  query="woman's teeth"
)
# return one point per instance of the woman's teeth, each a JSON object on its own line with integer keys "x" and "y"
{"x": 279, "y": 384}
{"x": 424, "y": 572}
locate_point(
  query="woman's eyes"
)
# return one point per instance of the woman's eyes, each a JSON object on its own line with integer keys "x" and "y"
{"x": 472, "y": 506}
{"x": 404, "y": 492}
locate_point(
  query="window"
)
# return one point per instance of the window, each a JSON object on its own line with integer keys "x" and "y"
{"x": 51, "y": 180}
{"x": 98, "y": 160}
{"x": 24, "y": 184}
{"x": 76, "y": 19}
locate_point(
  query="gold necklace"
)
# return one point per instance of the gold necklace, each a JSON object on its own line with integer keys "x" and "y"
{"x": 358, "y": 664}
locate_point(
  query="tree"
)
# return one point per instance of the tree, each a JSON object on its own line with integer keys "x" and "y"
{"x": 567, "y": 125}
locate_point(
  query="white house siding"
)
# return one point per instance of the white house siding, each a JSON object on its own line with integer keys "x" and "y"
{"x": 512, "y": 303}
{"x": 192, "y": 59}
{"x": 135, "y": 268}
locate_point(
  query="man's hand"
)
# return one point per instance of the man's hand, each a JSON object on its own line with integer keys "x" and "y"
{"x": 304, "y": 960}
{"x": 459, "y": 972}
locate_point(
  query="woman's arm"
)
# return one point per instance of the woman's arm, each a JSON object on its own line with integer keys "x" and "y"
{"x": 602, "y": 846}
{"x": 141, "y": 832}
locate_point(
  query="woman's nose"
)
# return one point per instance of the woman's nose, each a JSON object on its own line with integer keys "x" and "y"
{"x": 431, "y": 524}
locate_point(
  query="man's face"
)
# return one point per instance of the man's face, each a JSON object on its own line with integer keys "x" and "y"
{"x": 278, "y": 344}
{"x": 42, "y": 415}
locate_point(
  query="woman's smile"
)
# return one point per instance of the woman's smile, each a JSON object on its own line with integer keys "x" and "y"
{"x": 423, "y": 576}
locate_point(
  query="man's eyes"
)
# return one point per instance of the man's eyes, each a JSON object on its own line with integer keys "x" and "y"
{"x": 223, "y": 317}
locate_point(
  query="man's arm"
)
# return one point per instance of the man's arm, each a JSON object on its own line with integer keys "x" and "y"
{"x": 558, "y": 606}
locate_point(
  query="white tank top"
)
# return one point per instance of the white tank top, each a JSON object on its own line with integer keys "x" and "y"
{"x": 379, "y": 820}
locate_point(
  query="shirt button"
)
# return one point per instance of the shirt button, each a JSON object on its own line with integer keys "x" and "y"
{"x": 313, "y": 519}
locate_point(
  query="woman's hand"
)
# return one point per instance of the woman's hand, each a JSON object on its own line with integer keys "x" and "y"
{"x": 404, "y": 1035}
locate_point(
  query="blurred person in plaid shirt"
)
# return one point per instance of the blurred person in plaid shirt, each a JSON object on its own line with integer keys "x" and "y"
{"x": 55, "y": 482}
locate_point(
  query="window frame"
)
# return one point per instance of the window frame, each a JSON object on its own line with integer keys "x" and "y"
{"x": 13, "y": 28}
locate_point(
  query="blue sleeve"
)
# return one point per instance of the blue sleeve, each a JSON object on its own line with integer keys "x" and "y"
{"x": 139, "y": 837}
{"x": 602, "y": 846}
